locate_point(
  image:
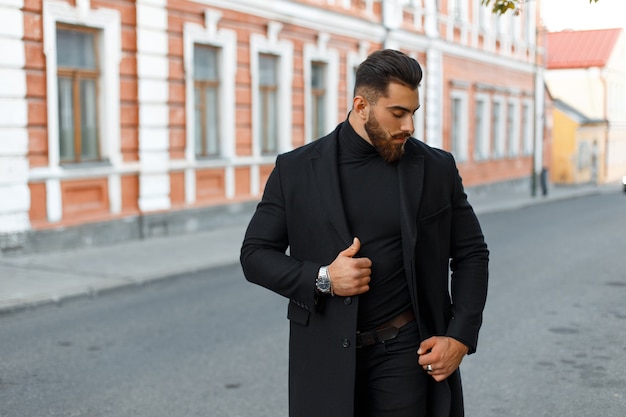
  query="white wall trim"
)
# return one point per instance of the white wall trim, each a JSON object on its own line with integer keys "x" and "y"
{"x": 513, "y": 145}
{"x": 109, "y": 23}
{"x": 482, "y": 140}
{"x": 270, "y": 44}
{"x": 498, "y": 150}
{"x": 462, "y": 154}
{"x": 14, "y": 191}
{"x": 226, "y": 40}
{"x": 528, "y": 128}
{"x": 321, "y": 53}
{"x": 353, "y": 60}
{"x": 298, "y": 14}
{"x": 153, "y": 91}
{"x": 433, "y": 73}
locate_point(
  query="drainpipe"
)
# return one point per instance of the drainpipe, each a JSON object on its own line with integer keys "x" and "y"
{"x": 607, "y": 124}
{"x": 540, "y": 62}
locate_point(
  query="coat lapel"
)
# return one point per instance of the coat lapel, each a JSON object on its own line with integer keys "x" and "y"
{"x": 411, "y": 178}
{"x": 326, "y": 173}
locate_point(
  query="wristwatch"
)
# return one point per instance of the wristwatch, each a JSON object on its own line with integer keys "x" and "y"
{"x": 322, "y": 283}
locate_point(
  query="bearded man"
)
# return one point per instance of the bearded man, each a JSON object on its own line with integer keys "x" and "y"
{"x": 374, "y": 221}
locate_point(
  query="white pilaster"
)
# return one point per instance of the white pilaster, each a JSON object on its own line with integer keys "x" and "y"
{"x": 14, "y": 191}
{"x": 433, "y": 76}
{"x": 153, "y": 70}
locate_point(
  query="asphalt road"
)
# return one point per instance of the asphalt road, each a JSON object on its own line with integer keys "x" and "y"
{"x": 553, "y": 342}
{"x": 203, "y": 345}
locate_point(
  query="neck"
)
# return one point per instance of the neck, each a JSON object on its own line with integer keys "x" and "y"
{"x": 358, "y": 124}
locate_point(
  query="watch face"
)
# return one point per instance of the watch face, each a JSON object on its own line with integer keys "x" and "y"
{"x": 323, "y": 285}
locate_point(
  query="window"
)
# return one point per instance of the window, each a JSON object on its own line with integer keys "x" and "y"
{"x": 458, "y": 130}
{"x": 77, "y": 79}
{"x": 271, "y": 75}
{"x": 268, "y": 97}
{"x": 584, "y": 156}
{"x": 481, "y": 131}
{"x": 530, "y": 28}
{"x": 527, "y": 129}
{"x": 210, "y": 63}
{"x": 83, "y": 98}
{"x": 353, "y": 61}
{"x": 497, "y": 135}
{"x": 457, "y": 12}
{"x": 318, "y": 99}
{"x": 512, "y": 129}
{"x": 484, "y": 16}
{"x": 206, "y": 101}
{"x": 321, "y": 75}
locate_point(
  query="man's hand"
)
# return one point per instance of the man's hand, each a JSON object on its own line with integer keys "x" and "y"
{"x": 443, "y": 354}
{"x": 350, "y": 275}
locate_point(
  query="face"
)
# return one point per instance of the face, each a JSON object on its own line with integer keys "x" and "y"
{"x": 390, "y": 121}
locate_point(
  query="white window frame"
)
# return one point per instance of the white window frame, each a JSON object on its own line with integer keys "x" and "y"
{"x": 499, "y": 131}
{"x": 482, "y": 143}
{"x": 353, "y": 60}
{"x": 530, "y": 25}
{"x": 458, "y": 10}
{"x": 283, "y": 50}
{"x": 330, "y": 57}
{"x": 462, "y": 153}
{"x": 484, "y": 17}
{"x": 108, "y": 23}
{"x": 528, "y": 127}
{"x": 226, "y": 41}
{"x": 513, "y": 129}
{"x": 419, "y": 117}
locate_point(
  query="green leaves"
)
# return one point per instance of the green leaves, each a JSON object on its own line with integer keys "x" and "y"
{"x": 502, "y": 6}
{"x": 515, "y": 6}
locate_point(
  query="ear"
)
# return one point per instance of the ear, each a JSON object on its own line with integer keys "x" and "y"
{"x": 360, "y": 106}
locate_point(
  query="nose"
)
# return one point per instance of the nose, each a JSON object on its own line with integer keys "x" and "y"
{"x": 408, "y": 124}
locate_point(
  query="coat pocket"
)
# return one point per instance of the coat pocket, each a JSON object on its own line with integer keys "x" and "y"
{"x": 434, "y": 217}
{"x": 297, "y": 314}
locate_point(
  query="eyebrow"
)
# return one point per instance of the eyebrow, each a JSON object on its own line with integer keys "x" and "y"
{"x": 396, "y": 107}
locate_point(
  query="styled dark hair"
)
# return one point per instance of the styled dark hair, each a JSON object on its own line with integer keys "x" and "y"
{"x": 383, "y": 67}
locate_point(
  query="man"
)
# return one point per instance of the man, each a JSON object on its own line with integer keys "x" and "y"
{"x": 373, "y": 219}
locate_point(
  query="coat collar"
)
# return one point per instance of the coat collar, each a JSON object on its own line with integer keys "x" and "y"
{"x": 411, "y": 177}
{"x": 326, "y": 171}
{"x": 410, "y": 174}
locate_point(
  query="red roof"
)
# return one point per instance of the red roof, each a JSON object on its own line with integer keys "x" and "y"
{"x": 581, "y": 49}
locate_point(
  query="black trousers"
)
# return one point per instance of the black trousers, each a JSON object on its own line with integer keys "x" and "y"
{"x": 389, "y": 380}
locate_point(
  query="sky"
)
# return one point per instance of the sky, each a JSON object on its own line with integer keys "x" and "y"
{"x": 582, "y": 15}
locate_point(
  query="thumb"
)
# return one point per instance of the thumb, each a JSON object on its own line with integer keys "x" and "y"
{"x": 426, "y": 345}
{"x": 353, "y": 249}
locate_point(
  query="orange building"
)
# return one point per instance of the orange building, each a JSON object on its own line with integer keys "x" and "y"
{"x": 586, "y": 73}
{"x": 122, "y": 112}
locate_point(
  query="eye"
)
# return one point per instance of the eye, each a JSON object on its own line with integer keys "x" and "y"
{"x": 398, "y": 115}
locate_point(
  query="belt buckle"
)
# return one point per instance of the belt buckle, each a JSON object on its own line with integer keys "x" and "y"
{"x": 375, "y": 336}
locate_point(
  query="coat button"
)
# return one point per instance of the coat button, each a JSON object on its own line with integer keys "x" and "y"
{"x": 347, "y": 301}
{"x": 345, "y": 343}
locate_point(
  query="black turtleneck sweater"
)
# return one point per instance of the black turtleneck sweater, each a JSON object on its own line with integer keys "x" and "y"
{"x": 371, "y": 198}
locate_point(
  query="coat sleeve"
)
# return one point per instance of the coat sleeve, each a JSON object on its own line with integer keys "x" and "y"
{"x": 263, "y": 253}
{"x": 469, "y": 259}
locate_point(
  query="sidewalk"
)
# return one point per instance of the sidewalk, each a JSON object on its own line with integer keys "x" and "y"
{"x": 36, "y": 279}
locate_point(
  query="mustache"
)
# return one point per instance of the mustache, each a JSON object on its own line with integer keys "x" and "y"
{"x": 400, "y": 135}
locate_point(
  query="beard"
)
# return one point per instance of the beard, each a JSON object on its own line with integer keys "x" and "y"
{"x": 382, "y": 141}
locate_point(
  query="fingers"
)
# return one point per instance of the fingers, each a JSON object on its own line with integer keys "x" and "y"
{"x": 441, "y": 356}
{"x": 350, "y": 275}
{"x": 353, "y": 249}
{"x": 426, "y": 345}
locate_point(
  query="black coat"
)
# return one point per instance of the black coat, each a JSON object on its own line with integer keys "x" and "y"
{"x": 301, "y": 211}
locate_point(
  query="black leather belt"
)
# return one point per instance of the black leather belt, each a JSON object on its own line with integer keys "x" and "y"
{"x": 385, "y": 331}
